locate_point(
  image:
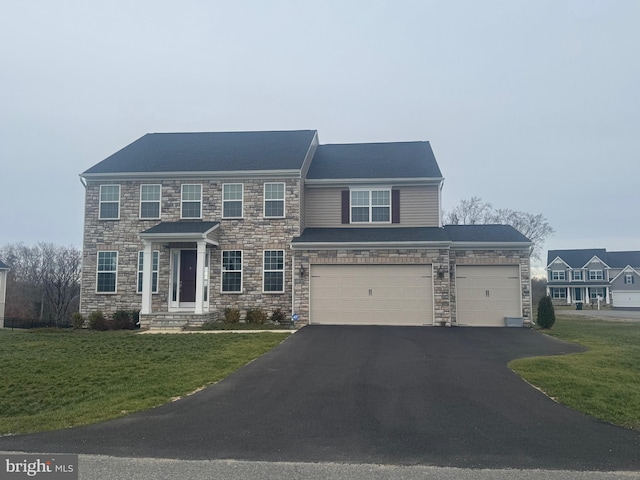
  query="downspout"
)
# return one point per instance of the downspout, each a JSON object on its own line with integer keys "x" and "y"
{"x": 293, "y": 284}
{"x": 84, "y": 184}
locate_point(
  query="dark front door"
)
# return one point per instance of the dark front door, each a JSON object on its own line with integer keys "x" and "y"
{"x": 188, "y": 261}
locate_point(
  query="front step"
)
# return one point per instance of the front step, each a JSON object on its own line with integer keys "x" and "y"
{"x": 173, "y": 320}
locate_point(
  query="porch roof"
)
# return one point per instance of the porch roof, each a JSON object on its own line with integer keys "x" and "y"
{"x": 185, "y": 231}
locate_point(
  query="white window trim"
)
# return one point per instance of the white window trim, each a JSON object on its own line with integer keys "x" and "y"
{"x": 371, "y": 206}
{"x": 264, "y": 200}
{"x": 159, "y": 201}
{"x": 156, "y": 272}
{"x": 222, "y": 272}
{"x": 556, "y": 273}
{"x": 561, "y": 293}
{"x": 628, "y": 279}
{"x": 578, "y": 278}
{"x": 594, "y": 292}
{"x": 594, "y": 276}
{"x": 284, "y": 268}
{"x": 98, "y": 272}
{"x": 100, "y": 202}
{"x": 190, "y": 201}
{"x": 241, "y": 200}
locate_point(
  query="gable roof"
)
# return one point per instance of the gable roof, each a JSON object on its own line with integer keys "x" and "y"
{"x": 622, "y": 259}
{"x": 209, "y": 152}
{"x": 577, "y": 258}
{"x": 374, "y": 160}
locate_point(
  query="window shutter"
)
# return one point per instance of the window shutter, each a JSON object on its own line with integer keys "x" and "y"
{"x": 345, "y": 206}
{"x": 395, "y": 206}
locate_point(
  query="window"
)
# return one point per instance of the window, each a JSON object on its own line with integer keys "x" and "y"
{"x": 558, "y": 293}
{"x": 107, "y": 272}
{"x": 628, "y": 279}
{"x": 109, "y": 202}
{"x": 273, "y": 272}
{"x": 370, "y": 206}
{"x": 150, "y": 201}
{"x": 576, "y": 275}
{"x": 594, "y": 293}
{"x": 232, "y": 200}
{"x": 558, "y": 275}
{"x": 274, "y": 200}
{"x": 596, "y": 275}
{"x": 191, "y": 201}
{"x": 154, "y": 271}
{"x": 231, "y": 271}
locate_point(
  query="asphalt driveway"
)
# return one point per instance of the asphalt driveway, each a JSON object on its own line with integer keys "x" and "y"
{"x": 382, "y": 395}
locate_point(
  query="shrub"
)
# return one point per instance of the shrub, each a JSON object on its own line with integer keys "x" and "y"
{"x": 231, "y": 315}
{"x": 77, "y": 320}
{"x": 546, "y": 313}
{"x": 135, "y": 317}
{"x": 278, "y": 316}
{"x": 255, "y": 315}
{"x": 122, "y": 320}
{"x": 97, "y": 321}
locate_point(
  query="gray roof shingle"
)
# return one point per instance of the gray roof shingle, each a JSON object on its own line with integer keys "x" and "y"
{"x": 374, "y": 160}
{"x": 622, "y": 259}
{"x": 577, "y": 258}
{"x": 3, "y": 266}
{"x": 181, "y": 227}
{"x": 210, "y": 152}
{"x": 449, "y": 233}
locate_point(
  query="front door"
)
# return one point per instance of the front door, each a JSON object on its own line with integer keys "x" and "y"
{"x": 577, "y": 294}
{"x": 188, "y": 263}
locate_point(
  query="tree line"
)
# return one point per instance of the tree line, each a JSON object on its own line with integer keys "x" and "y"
{"x": 43, "y": 282}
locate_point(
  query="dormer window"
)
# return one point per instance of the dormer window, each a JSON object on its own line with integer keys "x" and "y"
{"x": 596, "y": 275}
{"x": 558, "y": 275}
{"x": 576, "y": 275}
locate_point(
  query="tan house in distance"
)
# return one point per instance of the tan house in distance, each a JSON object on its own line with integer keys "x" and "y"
{"x": 182, "y": 225}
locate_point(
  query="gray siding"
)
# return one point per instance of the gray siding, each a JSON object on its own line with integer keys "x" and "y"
{"x": 418, "y": 207}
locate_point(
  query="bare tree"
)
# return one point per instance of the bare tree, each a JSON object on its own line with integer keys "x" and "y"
{"x": 474, "y": 211}
{"x": 43, "y": 282}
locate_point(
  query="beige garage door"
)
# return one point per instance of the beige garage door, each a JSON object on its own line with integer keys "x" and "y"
{"x": 371, "y": 295}
{"x": 485, "y": 295}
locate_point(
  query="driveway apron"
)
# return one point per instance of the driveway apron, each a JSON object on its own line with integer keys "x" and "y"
{"x": 383, "y": 395}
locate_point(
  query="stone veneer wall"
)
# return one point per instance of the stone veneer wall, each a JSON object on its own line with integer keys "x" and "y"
{"x": 494, "y": 257}
{"x": 436, "y": 257}
{"x": 252, "y": 235}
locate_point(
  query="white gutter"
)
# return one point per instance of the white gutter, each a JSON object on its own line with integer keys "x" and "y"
{"x": 290, "y": 173}
{"x": 367, "y": 245}
{"x": 360, "y": 181}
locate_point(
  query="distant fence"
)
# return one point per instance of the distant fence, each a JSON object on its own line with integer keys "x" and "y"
{"x": 27, "y": 323}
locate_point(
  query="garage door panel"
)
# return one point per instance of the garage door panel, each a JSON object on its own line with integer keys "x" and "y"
{"x": 626, "y": 299}
{"x": 486, "y": 294}
{"x": 371, "y": 294}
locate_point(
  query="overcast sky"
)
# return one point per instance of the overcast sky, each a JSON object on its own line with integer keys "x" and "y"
{"x": 530, "y": 105}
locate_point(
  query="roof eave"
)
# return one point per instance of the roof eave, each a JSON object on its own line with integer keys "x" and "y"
{"x": 286, "y": 173}
{"x": 490, "y": 245}
{"x": 368, "y": 245}
{"x": 363, "y": 181}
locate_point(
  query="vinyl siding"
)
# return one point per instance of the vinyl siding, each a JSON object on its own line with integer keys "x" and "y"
{"x": 418, "y": 207}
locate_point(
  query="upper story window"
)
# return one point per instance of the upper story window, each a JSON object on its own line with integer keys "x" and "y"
{"x": 558, "y": 275}
{"x": 150, "y": 201}
{"x": 628, "y": 279}
{"x": 107, "y": 272}
{"x": 232, "y": 197}
{"x": 191, "y": 205}
{"x": 371, "y": 206}
{"x": 273, "y": 271}
{"x": 596, "y": 275}
{"x": 109, "y": 202}
{"x": 576, "y": 275}
{"x": 274, "y": 200}
{"x": 232, "y": 271}
{"x": 155, "y": 260}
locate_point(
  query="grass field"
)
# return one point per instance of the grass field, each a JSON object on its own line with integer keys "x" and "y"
{"x": 603, "y": 382}
{"x": 51, "y": 380}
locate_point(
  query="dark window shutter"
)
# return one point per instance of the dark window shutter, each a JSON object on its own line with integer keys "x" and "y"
{"x": 395, "y": 206}
{"x": 345, "y": 206}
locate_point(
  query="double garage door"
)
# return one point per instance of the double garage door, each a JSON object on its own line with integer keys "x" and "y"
{"x": 403, "y": 294}
{"x": 622, "y": 299}
{"x": 371, "y": 295}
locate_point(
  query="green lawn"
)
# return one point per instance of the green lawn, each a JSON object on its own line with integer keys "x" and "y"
{"x": 51, "y": 380}
{"x": 603, "y": 382}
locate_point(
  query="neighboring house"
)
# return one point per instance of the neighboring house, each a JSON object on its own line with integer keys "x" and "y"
{"x": 4, "y": 269}
{"x": 182, "y": 225}
{"x": 584, "y": 276}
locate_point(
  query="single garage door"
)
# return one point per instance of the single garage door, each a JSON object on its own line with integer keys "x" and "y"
{"x": 371, "y": 295}
{"x": 486, "y": 294}
{"x": 624, "y": 299}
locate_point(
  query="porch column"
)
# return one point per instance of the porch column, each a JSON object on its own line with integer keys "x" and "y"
{"x": 201, "y": 255}
{"x": 606, "y": 295}
{"x": 569, "y": 295}
{"x": 586, "y": 295}
{"x": 147, "y": 283}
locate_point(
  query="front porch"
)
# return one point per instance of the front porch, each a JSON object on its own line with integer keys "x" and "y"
{"x": 174, "y": 320}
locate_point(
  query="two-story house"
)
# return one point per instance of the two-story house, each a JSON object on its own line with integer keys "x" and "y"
{"x": 588, "y": 275}
{"x": 182, "y": 225}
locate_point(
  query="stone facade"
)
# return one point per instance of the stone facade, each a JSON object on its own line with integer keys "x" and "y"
{"x": 252, "y": 235}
